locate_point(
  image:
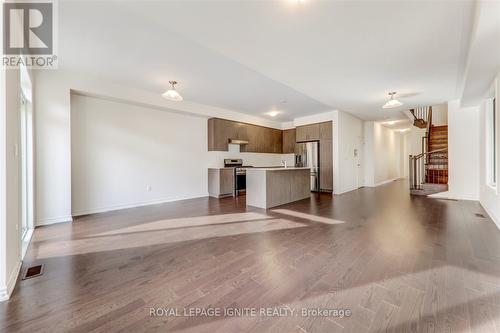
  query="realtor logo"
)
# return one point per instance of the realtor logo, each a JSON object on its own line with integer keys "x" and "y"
{"x": 29, "y": 34}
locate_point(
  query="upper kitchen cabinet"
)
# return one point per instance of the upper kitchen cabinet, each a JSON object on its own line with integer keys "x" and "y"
{"x": 289, "y": 141}
{"x": 260, "y": 139}
{"x": 325, "y": 130}
{"x": 219, "y": 133}
{"x": 307, "y": 133}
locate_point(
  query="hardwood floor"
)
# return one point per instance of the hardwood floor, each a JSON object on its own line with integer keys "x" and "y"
{"x": 398, "y": 263}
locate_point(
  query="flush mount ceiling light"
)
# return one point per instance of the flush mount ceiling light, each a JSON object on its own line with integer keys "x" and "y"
{"x": 273, "y": 113}
{"x": 392, "y": 103}
{"x": 172, "y": 94}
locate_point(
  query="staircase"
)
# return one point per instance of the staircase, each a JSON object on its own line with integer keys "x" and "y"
{"x": 429, "y": 170}
{"x": 437, "y": 163}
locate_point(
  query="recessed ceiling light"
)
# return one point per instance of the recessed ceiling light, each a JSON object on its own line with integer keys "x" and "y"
{"x": 392, "y": 122}
{"x": 172, "y": 94}
{"x": 273, "y": 113}
{"x": 392, "y": 103}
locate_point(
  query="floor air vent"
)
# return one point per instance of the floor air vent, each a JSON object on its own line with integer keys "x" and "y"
{"x": 33, "y": 271}
{"x": 480, "y": 215}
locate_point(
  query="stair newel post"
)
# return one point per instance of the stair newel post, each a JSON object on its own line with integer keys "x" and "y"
{"x": 417, "y": 165}
{"x": 411, "y": 172}
{"x": 422, "y": 168}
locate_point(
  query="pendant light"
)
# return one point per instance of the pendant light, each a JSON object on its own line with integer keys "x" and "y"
{"x": 172, "y": 94}
{"x": 392, "y": 103}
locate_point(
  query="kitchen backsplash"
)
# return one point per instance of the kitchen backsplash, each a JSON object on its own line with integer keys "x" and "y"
{"x": 216, "y": 158}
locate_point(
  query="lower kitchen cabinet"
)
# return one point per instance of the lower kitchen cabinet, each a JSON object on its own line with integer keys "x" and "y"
{"x": 220, "y": 182}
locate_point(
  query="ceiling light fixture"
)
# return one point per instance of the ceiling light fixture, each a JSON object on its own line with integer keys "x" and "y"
{"x": 273, "y": 113}
{"x": 172, "y": 94}
{"x": 392, "y": 103}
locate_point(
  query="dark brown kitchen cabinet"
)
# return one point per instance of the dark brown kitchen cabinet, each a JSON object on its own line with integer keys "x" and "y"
{"x": 307, "y": 133}
{"x": 263, "y": 140}
{"x": 219, "y": 131}
{"x": 256, "y": 140}
{"x": 260, "y": 139}
{"x": 325, "y": 130}
{"x": 289, "y": 141}
{"x": 326, "y": 165}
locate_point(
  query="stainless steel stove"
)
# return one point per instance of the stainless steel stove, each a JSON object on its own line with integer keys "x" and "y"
{"x": 240, "y": 174}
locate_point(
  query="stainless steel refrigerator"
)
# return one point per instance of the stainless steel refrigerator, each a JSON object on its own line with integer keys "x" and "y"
{"x": 307, "y": 155}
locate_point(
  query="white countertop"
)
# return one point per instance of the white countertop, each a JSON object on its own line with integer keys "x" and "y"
{"x": 277, "y": 169}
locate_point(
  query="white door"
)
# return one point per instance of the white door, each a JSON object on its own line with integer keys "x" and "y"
{"x": 358, "y": 156}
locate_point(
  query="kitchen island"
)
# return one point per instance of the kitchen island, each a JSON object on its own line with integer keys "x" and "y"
{"x": 270, "y": 187}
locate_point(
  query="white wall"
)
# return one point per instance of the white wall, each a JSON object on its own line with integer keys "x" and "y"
{"x": 53, "y": 134}
{"x": 463, "y": 151}
{"x": 369, "y": 153}
{"x": 488, "y": 196}
{"x": 387, "y": 154}
{"x": 414, "y": 140}
{"x": 383, "y": 154}
{"x": 440, "y": 114}
{"x": 119, "y": 149}
{"x": 10, "y": 184}
{"x": 347, "y": 137}
{"x": 3, "y": 188}
{"x": 53, "y": 149}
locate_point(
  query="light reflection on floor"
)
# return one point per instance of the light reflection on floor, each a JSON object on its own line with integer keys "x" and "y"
{"x": 187, "y": 222}
{"x": 158, "y": 232}
{"x": 306, "y": 216}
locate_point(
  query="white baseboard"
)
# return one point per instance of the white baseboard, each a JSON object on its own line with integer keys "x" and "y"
{"x": 7, "y": 290}
{"x": 346, "y": 190}
{"x": 440, "y": 195}
{"x": 382, "y": 182}
{"x": 26, "y": 242}
{"x": 492, "y": 216}
{"x": 133, "y": 205}
{"x": 366, "y": 185}
{"x": 450, "y": 195}
{"x": 53, "y": 220}
{"x": 386, "y": 182}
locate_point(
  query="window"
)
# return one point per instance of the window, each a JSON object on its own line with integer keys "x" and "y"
{"x": 491, "y": 141}
{"x": 26, "y": 157}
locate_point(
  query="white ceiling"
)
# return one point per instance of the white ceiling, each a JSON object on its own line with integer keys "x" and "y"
{"x": 484, "y": 54}
{"x": 401, "y": 124}
{"x": 251, "y": 56}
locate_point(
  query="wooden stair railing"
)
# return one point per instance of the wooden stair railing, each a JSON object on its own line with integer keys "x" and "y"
{"x": 421, "y": 170}
{"x": 428, "y": 125}
{"x": 421, "y": 115}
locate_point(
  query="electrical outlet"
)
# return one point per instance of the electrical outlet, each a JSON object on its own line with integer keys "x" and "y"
{"x": 148, "y": 188}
